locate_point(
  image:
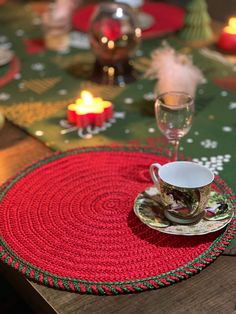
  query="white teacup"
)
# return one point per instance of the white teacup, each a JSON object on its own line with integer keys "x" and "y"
{"x": 184, "y": 188}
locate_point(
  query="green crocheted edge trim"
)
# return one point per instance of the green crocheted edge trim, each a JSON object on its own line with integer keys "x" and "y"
{"x": 122, "y": 287}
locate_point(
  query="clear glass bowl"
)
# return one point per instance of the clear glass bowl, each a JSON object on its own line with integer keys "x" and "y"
{"x": 114, "y": 37}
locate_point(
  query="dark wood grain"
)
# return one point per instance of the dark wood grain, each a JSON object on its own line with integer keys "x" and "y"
{"x": 211, "y": 291}
{"x": 17, "y": 150}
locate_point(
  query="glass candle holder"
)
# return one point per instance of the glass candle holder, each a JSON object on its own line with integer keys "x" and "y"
{"x": 114, "y": 37}
{"x": 145, "y": 20}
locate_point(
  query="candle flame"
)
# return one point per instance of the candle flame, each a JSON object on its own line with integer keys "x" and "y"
{"x": 111, "y": 44}
{"x": 231, "y": 27}
{"x": 138, "y": 32}
{"x": 87, "y": 97}
{"x": 89, "y": 108}
{"x": 89, "y": 104}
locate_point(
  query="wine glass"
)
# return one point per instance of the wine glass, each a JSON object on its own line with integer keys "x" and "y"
{"x": 174, "y": 113}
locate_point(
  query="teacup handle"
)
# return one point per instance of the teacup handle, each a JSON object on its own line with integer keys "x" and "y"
{"x": 152, "y": 169}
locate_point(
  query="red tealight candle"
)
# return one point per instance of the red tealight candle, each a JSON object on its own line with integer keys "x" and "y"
{"x": 98, "y": 118}
{"x": 89, "y": 111}
{"x": 82, "y": 118}
{"x": 227, "y": 40}
{"x": 107, "y": 105}
{"x": 71, "y": 113}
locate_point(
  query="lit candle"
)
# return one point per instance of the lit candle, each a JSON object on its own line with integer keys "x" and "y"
{"x": 89, "y": 111}
{"x": 82, "y": 117}
{"x": 107, "y": 110}
{"x": 227, "y": 40}
{"x": 71, "y": 113}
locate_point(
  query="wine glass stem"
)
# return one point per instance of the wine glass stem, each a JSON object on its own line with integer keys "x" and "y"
{"x": 175, "y": 144}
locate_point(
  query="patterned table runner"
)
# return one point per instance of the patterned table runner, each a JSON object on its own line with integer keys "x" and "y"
{"x": 37, "y": 97}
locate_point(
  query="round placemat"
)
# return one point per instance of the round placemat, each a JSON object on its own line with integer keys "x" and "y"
{"x": 67, "y": 222}
{"x": 13, "y": 69}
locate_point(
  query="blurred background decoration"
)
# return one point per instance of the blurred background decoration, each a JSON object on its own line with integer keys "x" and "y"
{"x": 173, "y": 71}
{"x": 56, "y": 28}
{"x": 2, "y": 120}
{"x": 227, "y": 39}
{"x": 197, "y": 24}
{"x": 114, "y": 37}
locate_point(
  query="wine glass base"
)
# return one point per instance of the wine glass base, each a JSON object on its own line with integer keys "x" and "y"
{"x": 120, "y": 74}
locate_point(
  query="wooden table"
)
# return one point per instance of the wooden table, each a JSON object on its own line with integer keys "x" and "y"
{"x": 213, "y": 290}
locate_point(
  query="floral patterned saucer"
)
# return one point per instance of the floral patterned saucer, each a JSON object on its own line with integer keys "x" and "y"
{"x": 150, "y": 210}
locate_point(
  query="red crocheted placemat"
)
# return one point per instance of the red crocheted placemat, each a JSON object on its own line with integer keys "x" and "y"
{"x": 14, "y": 68}
{"x": 68, "y": 222}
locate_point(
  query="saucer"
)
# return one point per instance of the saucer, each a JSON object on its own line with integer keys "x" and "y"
{"x": 182, "y": 221}
{"x": 5, "y": 56}
{"x": 149, "y": 208}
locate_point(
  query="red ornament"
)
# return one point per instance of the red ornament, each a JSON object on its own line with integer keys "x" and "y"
{"x": 227, "y": 40}
{"x": 109, "y": 28}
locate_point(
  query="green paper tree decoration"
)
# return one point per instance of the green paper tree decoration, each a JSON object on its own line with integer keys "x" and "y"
{"x": 197, "y": 22}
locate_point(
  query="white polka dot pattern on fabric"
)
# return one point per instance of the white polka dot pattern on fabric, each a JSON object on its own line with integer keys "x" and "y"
{"x": 4, "y": 96}
{"x": 189, "y": 140}
{"x": 62, "y": 92}
{"x": 227, "y": 129}
{"x": 128, "y": 100}
{"x": 232, "y": 105}
{"x": 37, "y": 66}
{"x": 119, "y": 115}
{"x": 209, "y": 144}
{"x": 3, "y": 39}
{"x": 21, "y": 85}
{"x": 17, "y": 76}
{"x": 224, "y": 93}
{"x": 20, "y": 32}
{"x": 214, "y": 163}
{"x": 149, "y": 96}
